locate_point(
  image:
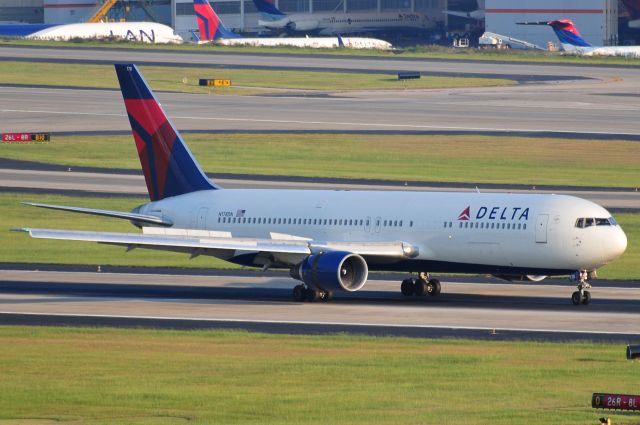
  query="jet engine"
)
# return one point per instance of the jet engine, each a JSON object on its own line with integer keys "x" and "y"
{"x": 332, "y": 271}
{"x": 307, "y": 25}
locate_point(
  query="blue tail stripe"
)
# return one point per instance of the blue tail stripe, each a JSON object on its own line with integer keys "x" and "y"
{"x": 132, "y": 84}
{"x": 570, "y": 38}
{"x": 146, "y": 137}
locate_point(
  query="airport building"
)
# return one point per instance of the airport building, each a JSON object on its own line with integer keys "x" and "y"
{"x": 597, "y": 20}
{"x": 602, "y": 22}
{"x": 242, "y": 14}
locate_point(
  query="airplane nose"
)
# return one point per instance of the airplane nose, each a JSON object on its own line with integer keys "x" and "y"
{"x": 618, "y": 243}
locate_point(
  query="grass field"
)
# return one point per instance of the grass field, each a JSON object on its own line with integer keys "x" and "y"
{"x": 426, "y": 52}
{"x": 244, "y": 81}
{"x": 20, "y": 248}
{"x": 475, "y": 159}
{"x": 119, "y": 376}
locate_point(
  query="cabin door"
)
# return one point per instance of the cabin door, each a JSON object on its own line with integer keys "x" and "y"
{"x": 541, "y": 228}
{"x": 202, "y": 218}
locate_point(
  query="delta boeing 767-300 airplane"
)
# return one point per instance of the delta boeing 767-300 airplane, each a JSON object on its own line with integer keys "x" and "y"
{"x": 330, "y": 239}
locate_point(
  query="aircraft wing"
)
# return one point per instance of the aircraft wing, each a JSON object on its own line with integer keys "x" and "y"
{"x": 195, "y": 241}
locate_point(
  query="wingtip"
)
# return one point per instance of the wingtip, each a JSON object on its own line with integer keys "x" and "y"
{"x": 21, "y": 229}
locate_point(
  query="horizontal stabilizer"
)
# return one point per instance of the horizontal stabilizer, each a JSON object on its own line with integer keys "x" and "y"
{"x": 141, "y": 218}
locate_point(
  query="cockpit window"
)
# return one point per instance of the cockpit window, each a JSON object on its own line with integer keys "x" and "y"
{"x": 583, "y": 222}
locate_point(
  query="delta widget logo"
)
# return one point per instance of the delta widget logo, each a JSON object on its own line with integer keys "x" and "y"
{"x": 465, "y": 215}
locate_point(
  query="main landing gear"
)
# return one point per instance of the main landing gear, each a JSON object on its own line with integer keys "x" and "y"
{"x": 581, "y": 296}
{"x": 421, "y": 286}
{"x": 302, "y": 293}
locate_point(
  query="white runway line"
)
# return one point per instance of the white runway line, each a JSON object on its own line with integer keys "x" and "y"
{"x": 317, "y": 323}
{"x": 335, "y": 123}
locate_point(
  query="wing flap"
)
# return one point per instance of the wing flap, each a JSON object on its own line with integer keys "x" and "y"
{"x": 184, "y": 239}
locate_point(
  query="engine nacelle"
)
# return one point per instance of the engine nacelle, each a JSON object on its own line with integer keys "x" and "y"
{"x": 307, "y": 25}
{"x": 522, "y": 278}
{"x": 332, "y": 271}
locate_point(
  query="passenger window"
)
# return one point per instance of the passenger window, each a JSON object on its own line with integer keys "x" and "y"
{"x": 411, "y": 223}
{"x": 367, "y": 222}
{"x": 524, "y": 226}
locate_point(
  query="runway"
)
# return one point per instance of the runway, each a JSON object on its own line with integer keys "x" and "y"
{"x": 116, "y": 184}
{"x": 262, "y": 302}
{"x": 606, "y": 102}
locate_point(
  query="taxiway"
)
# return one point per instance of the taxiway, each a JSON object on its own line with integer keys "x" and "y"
{"x": 262, "y": 302}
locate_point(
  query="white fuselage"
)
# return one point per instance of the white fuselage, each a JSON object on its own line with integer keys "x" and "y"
{"x": 309, "y": 42}
{"x": 346, "y": 23}
{"x": 145, "y": 32}
{"x": 624, "y": 51}
{"x": 532, "y": 234}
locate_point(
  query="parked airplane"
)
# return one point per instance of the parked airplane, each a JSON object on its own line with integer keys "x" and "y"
{"x": 477, "y": 14}
{"x": 331, "y": 239}
{"x": 572, "y": 41}
{"x": 211, "y": 28}
{"x": 329, "y": 23}
{"x": 145, "y": 32}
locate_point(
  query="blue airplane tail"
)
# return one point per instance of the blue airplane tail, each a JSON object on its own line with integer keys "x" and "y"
{"x": 268, "y": 10}
{"x": 169, "y": 167}
{"x": 209, "y": 24}
{"x": 567, "y": 33}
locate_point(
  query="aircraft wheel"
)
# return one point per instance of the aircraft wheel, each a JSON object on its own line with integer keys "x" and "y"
{"x": 313, "y": 295}
{"x": 434, "y": 287}
{"x": 576, "y": 298}
{"x": 421, "y": 288}
{"x": 299, "y": 293}
{"x": 586, "y": 298}
{"x": 407, "y": 287}
{"x": 327, "y": 296}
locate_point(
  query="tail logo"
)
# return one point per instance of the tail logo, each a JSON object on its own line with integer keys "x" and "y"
{"x": 168, "y": 166}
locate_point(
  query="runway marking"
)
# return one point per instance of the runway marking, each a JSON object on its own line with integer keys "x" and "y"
{"x": 324, "y": 123}
{"x": 303, "y": 322}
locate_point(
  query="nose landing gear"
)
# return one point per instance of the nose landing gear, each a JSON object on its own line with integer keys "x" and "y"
{"x": 581, "y": 296}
